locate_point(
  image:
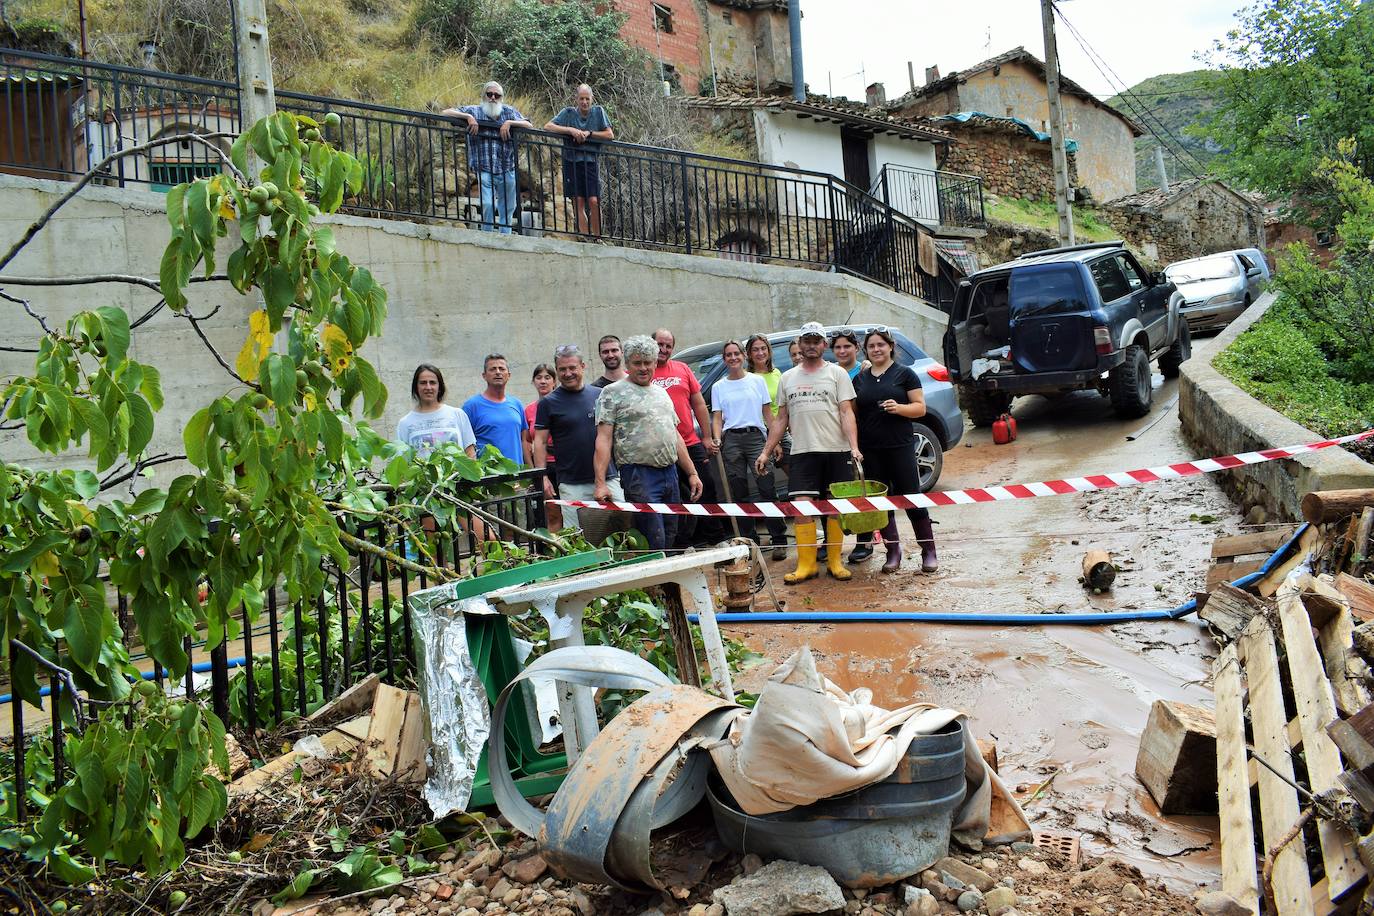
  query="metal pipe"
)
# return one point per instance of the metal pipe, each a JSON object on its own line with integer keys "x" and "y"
{"x": 794, "y": 35}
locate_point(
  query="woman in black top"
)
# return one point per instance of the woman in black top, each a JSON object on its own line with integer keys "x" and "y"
{"x": 889, "y": 399}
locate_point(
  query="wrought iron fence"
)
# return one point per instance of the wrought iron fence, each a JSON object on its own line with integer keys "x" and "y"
{"x": 293, "y": 657}
{"x": 947, "y": 198}
{"x": 66, "y": 114}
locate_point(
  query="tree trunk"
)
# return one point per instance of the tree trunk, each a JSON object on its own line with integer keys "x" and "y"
{"x": 1322, "y": 506}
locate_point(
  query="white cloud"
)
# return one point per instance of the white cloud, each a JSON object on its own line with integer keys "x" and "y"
{"x": 1136, "y": 40}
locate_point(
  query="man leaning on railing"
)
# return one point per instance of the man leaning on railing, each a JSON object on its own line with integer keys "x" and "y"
{"x": 583, "y": 124}
{"x": 491, "y": 154}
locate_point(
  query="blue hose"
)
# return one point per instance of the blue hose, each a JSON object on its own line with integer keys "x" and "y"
{"x": 1087, "y": 617}
{"x": 1091, "y": 617}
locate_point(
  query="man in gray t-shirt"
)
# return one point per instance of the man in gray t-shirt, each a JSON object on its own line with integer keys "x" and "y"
{"x": 582, "y": 126}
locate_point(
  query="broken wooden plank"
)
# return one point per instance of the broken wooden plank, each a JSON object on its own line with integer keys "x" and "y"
{"x": 1268, "y": 585}
{"x": 1223, "y": 573}
{"x": 1239, "y": 877}
{"x": 1279, "y": 809}
{"x": 1360, "y": 787}
{"x": 1316, "y": 706}
{"x": 395, "y": 735}
{"x": 335, "y": 741}
{"x": 1359, "y": 594}
{"x": 1293, "y": 731}
{"x": 1240, "y": 545}
{"x": 1359, "y": 550}
{"x": 1345, "y": 669}
{"x": 1357, "y": 751}
{"x": 987, "y": 748}
{"x": 352, "y": 702}
{"x": 1229, "y": 609}
{"x": 1177, "y": 760}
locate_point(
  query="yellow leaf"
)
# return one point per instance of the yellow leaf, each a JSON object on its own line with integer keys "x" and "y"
{"x": 226, "y": 207}
{"x": 46, "y": 564}
{"x": 256, "y": 347}
{"x": 336, "y": 347}
{"x": 309, "y": 399}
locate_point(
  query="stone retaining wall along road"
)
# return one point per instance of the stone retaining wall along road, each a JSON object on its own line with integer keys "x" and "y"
{"x": 455, "y": 295}
{"x": 1221, "y": 419}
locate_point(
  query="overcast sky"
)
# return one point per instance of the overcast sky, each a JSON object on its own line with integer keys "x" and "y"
{"x": 1136, "y": 40}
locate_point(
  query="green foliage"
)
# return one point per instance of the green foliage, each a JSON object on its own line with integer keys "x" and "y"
{"x": 1298, "y": 78}
{"x": 1041, "y": 214}
{"x": 449, "y": 24}
{"x": 132, "y": 795}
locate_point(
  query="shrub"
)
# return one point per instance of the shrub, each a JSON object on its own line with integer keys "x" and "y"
{"x": 449, "y": 24}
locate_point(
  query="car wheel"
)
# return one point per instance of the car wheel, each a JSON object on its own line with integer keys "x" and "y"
{"x": 983, "y": 407}
{"x": 1178, "y": 354}
{"x": 930, "y": 456}
{"x": 1130, "y": 384}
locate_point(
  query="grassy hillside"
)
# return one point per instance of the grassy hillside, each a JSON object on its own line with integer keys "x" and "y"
{"x": 1177, "y": 101}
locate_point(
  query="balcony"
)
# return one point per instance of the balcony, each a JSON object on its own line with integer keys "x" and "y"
{"x": 931, "y": 196}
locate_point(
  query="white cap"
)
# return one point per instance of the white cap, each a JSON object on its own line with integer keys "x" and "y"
{"x": 812, "y": 329}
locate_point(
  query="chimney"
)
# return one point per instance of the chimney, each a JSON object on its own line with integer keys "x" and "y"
{"x": 932, "y": 74}
{"x": 875, "y": 95}
{"x": 911, "y": 75}
{"x": 794, "y": 38}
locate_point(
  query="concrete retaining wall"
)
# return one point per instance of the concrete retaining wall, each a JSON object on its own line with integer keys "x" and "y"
{"x": 455, "y": 295}
{"x": 1221, "y": 419}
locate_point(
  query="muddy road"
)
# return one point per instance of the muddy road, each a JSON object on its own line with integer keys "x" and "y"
{"x": 1061, "y": 701}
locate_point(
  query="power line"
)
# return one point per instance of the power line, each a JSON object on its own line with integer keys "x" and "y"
{"x": 1141, "y": 111}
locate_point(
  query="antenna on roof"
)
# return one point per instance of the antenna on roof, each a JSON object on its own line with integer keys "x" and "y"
{"x": 987, "y": 45}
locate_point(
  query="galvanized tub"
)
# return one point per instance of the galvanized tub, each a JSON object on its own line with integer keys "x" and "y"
{"x": 880, "y": 834}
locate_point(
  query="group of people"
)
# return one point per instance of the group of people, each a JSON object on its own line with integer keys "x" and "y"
{"x": 491, "y": 155}
{"x": 642, "y": 432}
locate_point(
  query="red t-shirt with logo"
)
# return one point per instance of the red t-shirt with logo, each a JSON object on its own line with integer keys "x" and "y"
{"x": 680, "y": 384}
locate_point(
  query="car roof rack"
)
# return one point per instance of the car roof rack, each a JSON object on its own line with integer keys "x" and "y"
{"x": 1119, "y": 243}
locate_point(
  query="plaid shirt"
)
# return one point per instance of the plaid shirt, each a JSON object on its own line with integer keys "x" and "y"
{"x": 487, "y": 152}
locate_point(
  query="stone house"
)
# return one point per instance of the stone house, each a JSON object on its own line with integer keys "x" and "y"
{"x": 1010, "y": 156}
{"x": 1012, "y": 85}
{"x": 1194, "y": 217}
{"x": 670, "y": 32}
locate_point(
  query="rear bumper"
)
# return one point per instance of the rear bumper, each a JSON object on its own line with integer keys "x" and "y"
{"x": 1042, "y": 382}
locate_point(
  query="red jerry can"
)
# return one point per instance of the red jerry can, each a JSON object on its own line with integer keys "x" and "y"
{"x": 1004, "y": 429}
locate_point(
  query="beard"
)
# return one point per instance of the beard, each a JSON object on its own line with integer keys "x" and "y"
{"x": 612, "y": 363}
{"x": 491, "y": 109}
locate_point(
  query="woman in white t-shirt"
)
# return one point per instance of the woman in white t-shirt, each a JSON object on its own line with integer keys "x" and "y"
{"x": 432, "y": 422}
{"x": 742, "y": 411}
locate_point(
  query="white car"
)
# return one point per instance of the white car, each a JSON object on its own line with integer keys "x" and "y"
{"x": 1218, "y": 287}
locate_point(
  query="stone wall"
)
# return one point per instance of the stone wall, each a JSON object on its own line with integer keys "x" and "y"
{"x": 1203, "y": 220}
{"x": 1010, "y": 162}
{"x": 752, "y": 48}
{"x": 455, "y": 295}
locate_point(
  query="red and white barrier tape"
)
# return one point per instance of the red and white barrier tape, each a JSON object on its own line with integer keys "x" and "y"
{"x": 966, "y": 497}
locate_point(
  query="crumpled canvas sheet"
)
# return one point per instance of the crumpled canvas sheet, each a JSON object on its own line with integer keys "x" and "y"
{"x": 806, "y": 739}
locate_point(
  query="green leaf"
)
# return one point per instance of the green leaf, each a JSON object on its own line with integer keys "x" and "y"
{"x": 238, "y": 153}
{"x": 176, "y": 209}
{"x": 279, "y": 292}
{"x": 18, "y": 560}
{"x": 150, "y": 500}
{"x": 140, "y": 424}
{"x": 195, "y": 436}
{"x": 151, "y": 385}
{"x": 298, "y": 886}
{"x": 85, "y": 483}
{"x": 114, "y": 330}
{"x": 277, "y": 375}
{"x": 168, "y": 276}
{"x": 202, "y": 809}
{"x": 86, "y": 626}
{"x": 374, "y": 392}
{"x": 94, "y": 420}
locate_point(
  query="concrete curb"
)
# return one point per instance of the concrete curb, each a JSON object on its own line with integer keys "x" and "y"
{"x": 1221, "y": 419}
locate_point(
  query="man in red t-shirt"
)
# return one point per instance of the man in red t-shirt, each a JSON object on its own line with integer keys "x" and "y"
{"x": 682, "y": 387}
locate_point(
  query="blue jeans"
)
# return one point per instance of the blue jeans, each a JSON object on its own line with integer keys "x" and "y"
{"x": 499, "y": 193}
{"x": 644, "y": 484}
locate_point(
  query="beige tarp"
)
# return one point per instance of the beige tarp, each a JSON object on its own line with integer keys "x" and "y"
{"x": 806, "y": 739}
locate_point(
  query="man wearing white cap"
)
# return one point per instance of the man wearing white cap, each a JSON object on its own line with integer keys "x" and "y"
{"x": 816, "y": 403}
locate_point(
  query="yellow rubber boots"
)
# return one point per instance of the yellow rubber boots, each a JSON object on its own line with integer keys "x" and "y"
{"x": 805, "y": 531}
{"x": 834, "y": 552}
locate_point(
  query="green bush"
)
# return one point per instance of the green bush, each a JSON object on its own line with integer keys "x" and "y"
{"x": 450, "y": 24}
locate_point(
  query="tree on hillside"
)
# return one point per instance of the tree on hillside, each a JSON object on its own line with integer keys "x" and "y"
{"x": 1298, "y": 78}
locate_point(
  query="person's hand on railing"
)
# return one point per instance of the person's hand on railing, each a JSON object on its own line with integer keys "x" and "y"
{"x": 505, "y": 130}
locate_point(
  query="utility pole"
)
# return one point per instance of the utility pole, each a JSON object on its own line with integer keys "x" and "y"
{"x": 1159, "y": 166}
{"x": 1061, "y": 158}
{"x": 257, "y": 95}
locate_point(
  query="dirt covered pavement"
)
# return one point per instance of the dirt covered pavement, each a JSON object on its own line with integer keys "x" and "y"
{"x": 1066, "y": 702}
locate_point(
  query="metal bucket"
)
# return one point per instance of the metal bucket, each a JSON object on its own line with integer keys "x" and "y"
{"x": 880, "y": 834}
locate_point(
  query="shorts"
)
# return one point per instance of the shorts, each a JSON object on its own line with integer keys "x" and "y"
{"x": 812, "y": 473}
{"x": 581, "y": 179}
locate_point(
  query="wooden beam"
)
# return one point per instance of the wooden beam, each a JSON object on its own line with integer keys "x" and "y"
{"x": 1316, "y": 707}
{"x": 1240, "y": 545}
{"x": 1322, "y": 506}
{"x": 1271, "y": 582}
{"x": 1239, "y": 877}
{"x": 1343, "y": 667}
{"x": 1229, "y": 609}
{"x": 1177, "y": 760}
{"x": 1359, "y": 594}
{"x": 1226, "y": 573}
{"x": 1279, "y": 809}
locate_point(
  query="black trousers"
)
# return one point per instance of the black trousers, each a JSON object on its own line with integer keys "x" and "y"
{"x": 691, "y": 530}
{"x": 739, "y": 448}
{"x": 896, "y": 467}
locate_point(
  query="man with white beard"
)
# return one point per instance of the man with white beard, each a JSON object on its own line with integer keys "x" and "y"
{"x": 491, "y": 154}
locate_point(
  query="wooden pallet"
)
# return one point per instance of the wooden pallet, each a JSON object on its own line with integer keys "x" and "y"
{"x": 1251, "y": 679}
{"x": 1239, "y": 555}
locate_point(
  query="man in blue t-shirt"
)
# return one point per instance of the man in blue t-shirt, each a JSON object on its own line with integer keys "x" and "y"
{"x": 496, "y": 419}
{"x": 583, "y": 126}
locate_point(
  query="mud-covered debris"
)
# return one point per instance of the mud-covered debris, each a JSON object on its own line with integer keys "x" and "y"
{"x": 781, "y": 889}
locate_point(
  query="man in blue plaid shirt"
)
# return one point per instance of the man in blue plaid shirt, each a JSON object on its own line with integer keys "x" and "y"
{"x": 491, "y": 154}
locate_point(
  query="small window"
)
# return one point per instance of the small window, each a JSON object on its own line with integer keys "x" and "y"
{"x": 1111, "y": 282}
{"x": 1133, "y": 278}
{"x": 663, "y": 18}
{"x": 726, "y": 17}
{"x": 163, "y": 176}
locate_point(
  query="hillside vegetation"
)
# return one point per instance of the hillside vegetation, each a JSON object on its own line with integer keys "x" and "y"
{"x": 1178, "y": 102}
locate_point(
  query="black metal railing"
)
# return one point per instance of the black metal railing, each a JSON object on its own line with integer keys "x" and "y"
{"x": 66, "y": 114}
{"x": 292, "y": 657}
{"x": 947, "y": 198}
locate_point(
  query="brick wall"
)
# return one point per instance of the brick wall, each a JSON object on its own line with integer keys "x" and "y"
{"x": 1009, "y": 162}
{"x": 681, "y": 48}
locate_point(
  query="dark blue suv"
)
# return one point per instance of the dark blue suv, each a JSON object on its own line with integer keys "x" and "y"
{"x": 1064, "y": 319}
